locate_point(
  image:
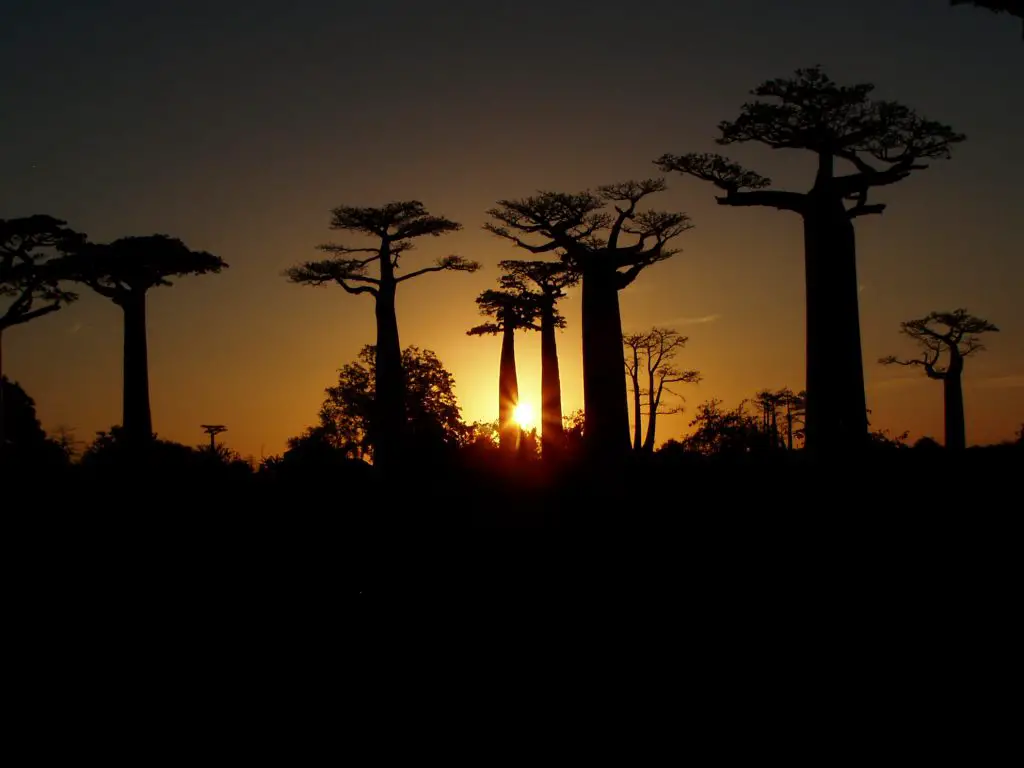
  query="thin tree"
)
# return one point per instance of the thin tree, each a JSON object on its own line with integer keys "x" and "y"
{"x": 213, "y": 430}
{"x": 884, "y": 142}
{"x": 592, "y": 240}
{"x": 770, "y": 402}
{"x": 510, "y": 311}
{"x": 392, "y": 229}
{"x": 793, "y": 403}
{"x": 1013, "y": 7}
{"x": 124, "y": 271}
{"x": 634, "y": 343}
{"x": 650, "y": 355}
{"x": 953, "y": 335}
{"x": 30, "y": 274}
{"x": 552, "y": 279}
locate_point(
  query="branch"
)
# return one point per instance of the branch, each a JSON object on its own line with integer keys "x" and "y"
{"x": 926, "y": 363}
{"x": 447, "y": 264}
{"x": 784, "y": 201}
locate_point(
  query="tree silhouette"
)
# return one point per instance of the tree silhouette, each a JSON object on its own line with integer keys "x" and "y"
{"x": 719, "y": 431}
{"x": 393, "y": 228}
{"x": 884, "y": 142}
{"x": 552, "y": 279}
{"x": 793, "y": 403}
{"x": 124, "y": 271}
{"x": 510, "y": 310}
{"x": 31, "y": 251}
{"x": 587, "y": 237}
{"x": 1013, "y": 7}
{"x": 431, "y": 411}
{"x": 649, "y": 356}
{"x": 213, "y": 430}
{"x": 955, "y": 336}
{"x": 769, "y": 402}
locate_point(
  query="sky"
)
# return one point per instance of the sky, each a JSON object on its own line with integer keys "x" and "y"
{"x": 238, "y": 126}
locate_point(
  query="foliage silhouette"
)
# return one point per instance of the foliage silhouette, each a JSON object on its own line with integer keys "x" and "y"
{"x": 510, "y": 310}
{"x": 433, "y": 420}
{"x": 31, "y": 252}
{"x": 719, "y": 432}
{"x": 590, "y": 240}
{"x": 649, "y": 357}
{"x": 955, "y": 335}
{"x": 552, "y": 279}
{"x": 793, "y": 404}
{"x": 213, "y": 430}
{"x": 1013, "y": 7}
{"x": 124, "y": 271}
{"x": 884, "y": 142}
{"x": 393, "y": 228}
{"x": 27, "y": 444}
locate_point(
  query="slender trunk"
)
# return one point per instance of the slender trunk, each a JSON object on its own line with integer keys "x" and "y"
{"x": 3, "y": 433}
{"x": 552, "y": 433}
{"x": 836, "y": 407}
{"x": 606, "y": 409}
{"x": 136, "y": 418}
{"x": 635, "y": 376}
{"x": 789, "y": 428}
{"x": 389, "y": 405}
{"x": 956, "y": 433}
{"x": 508, "y": 391}
{"x": 654, "y": 403}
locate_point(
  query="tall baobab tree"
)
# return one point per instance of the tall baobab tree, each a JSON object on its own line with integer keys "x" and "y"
{"x": 392, "y": 229}
{"x": 592, "y": 240}
{"x": 124, "y": 271}
{"x": 552, "y": 279}
{"x": 31, "y": 251}
{"x": 510, "y": 311}
{"x": 649, "y": 356}
{"x": 884, "y": 142}
{"x": 1013, "y": 7}
{"x": 955, "y": 336}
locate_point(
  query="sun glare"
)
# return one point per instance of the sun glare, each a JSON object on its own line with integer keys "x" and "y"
{"x": 525, "y": 416}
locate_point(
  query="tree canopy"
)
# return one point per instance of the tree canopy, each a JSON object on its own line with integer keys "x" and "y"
{"x": 955, "y": 333}
{"x": 32, "y": 267}
{"x": 510, "y": 309}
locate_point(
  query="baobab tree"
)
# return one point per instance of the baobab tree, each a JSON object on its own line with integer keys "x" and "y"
{"x": 124, "y": 271}
{"x": 793, "y": 404}
{"x": 955, "y": 336}
{"x": 649, "y": 357}
{"x": 591, "y": 240}
{"x": 552, "y": 279}
{"x": 393, "y": 229}
{"x": 1013, "y": 7}
{"x": 31, "y": 271}
{"x": 884, "y": 142}
{"x": 510, "y": 311}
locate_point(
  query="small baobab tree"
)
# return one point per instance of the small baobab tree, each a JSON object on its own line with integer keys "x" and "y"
{"x": 882, "y": 143}
{"x": 609, "y": 249}
{"x": 392, "y": 230}
{"x": 510, "y": 311}
{"x": 124, "y": 271}
{"x": 551, "y": 279}
{"x": 953, "y": 336}
{"x": 649, "y": 358}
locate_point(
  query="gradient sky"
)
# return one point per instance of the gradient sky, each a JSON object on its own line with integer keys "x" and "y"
{"x": 237, "y": 126}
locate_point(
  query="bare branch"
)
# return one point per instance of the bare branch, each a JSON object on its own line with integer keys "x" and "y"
{"x": 447, "y": 264}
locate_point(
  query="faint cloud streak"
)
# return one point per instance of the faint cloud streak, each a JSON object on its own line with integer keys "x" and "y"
{"x": 1013, "y": 381}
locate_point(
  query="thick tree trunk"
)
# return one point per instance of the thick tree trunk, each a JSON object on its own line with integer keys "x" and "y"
{"x": 136, "y": 418}
{"x": 389, "y": 405}
{"x": 836, "y": 407}
{"x": 956, "y": 432}
{"x": 508, "y": 391}
{"x": 606, "y": 409}
{"x": 552, "y": 433}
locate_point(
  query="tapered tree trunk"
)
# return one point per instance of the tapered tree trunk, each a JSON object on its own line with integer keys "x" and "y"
{"x": 389, "y": 404}
{"x": 637, "y": 444}
{"x": 136, "y": 418}
{"x": 552, "y": 432}
{"x": 653, "y": 404}
{"x": 836, "y": 407}
{"x": 508, "y": 391}
{"x": 606, "y": 409}
{"x": 953, "y": 402}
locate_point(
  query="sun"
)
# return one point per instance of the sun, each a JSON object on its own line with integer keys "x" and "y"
{"x": 524, "y": 416}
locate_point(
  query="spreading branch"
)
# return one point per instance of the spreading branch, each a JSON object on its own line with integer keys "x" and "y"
{"x": 952, "y": 333}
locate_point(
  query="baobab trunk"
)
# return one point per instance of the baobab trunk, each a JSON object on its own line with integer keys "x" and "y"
{"x": 390, "y": 382}
{"x": 136, "y": 418}
{"x": 953, "y": 402}
{"x": 836, "y": 408}
{"x": 637, "y": 444}
{"x": 606, "y": 409}
{"x": 508, "y": 390}
{"x": 653, "y": 404}
{"x": 552, "y": 434}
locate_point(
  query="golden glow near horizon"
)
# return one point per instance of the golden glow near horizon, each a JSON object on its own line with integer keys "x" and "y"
{"x": 525, "y": 416}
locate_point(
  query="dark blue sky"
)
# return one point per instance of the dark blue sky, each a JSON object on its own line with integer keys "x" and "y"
{"x": 237, "y": 126}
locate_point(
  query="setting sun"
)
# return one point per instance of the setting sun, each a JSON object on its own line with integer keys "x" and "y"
{"x": 525, "y": 416}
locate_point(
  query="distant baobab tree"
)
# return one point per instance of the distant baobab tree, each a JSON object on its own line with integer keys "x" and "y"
{"x": 511, "y": 311}
{"x": 124, "y": 271}
{"x": 884, "y": 142}
{"x": 552, "y": 279}
{"x": 793, "y": 404}
{"x": 955, "y": 336}
{"x": 648, "y": 361}
{"x": 393, "y": 228}
{"x": 213, "y": 430}
{"x": 1013, "y": 7}
{"x": 591, "y": 240}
